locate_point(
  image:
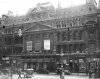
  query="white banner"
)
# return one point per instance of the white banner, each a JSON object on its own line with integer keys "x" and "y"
{"x": 29, "y": 45}
{"x": 47, "y": 44}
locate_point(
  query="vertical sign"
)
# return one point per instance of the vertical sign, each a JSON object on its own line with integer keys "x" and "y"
{"x": 29, "y": 45}
{"x": 47, "y": 44}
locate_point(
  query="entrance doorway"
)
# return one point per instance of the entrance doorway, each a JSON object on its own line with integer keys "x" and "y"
{"x": 71, "y": 65}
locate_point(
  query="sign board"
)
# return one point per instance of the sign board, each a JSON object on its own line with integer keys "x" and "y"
{"x": 29, "y": 45}
{"x": 47, "y": 44}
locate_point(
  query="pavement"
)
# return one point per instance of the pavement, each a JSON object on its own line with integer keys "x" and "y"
{"x": 51, "y": 76}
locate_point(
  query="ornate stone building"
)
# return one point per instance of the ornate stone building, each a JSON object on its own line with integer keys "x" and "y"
{"x": 48, "y": 32}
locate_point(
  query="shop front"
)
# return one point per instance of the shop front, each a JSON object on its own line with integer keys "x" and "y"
{"x": 77, "y": 63}
{"x": 47, "y": 63}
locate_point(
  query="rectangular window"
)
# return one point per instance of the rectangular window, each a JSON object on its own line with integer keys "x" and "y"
{"x": 29, "y": 45}
{"x": 47, "y": 44}
{"x": 38, "y": 42}
{"x": 37, "y": 45}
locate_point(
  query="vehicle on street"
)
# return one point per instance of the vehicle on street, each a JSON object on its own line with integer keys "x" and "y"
{"x": 65, "y": 67}
{"x": 6, "y": 71}
{"x": 28, "y": 73}
{"x": 43, "y": 71}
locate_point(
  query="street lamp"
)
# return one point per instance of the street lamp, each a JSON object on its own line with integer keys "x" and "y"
{"x": 62, "y": 67}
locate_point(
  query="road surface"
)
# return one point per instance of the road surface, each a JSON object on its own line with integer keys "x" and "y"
{"x": 50, "y": 76}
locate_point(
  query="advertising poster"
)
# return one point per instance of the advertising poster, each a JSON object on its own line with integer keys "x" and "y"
{"x": 47, "y": 44}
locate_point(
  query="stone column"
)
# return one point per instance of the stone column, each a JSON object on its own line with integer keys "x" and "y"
{"x": 54, "y": 42}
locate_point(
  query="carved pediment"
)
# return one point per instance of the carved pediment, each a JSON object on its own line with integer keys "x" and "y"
{"x": 38, "y": 27}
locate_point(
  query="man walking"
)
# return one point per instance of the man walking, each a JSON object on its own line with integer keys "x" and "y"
{"x": 90, "y": 73}
{"x": 19, "y": 77}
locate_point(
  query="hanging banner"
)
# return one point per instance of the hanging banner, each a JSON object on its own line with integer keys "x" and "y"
{"x": 29, "y": 45}
{"x": 47, "y": 44}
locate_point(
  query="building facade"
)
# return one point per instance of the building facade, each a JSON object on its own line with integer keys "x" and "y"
{"x": 50, "y": 32}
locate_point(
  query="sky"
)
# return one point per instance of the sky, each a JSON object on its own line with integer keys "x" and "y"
{"x": 20, "y": 7}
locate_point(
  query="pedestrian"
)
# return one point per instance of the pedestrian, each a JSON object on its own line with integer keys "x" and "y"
{"x": 95, "y": 73}
{"x": 62, "y": 73}
{"x": 19, "y": 77}
{"x": 90, "y": 73}
{"x": 86, "y": 71}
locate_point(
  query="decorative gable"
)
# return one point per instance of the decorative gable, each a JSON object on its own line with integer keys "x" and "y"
{"x": 38, "y": 27}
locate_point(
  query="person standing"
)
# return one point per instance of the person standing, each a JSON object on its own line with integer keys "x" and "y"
{"x": 95, "y": 73}
{"x": 86, "y": 71}
{"x": 90, "y": 73}
{"x": 19, "y": 77}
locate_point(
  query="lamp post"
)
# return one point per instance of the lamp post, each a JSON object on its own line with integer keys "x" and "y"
{"x": 62, "y": 68}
